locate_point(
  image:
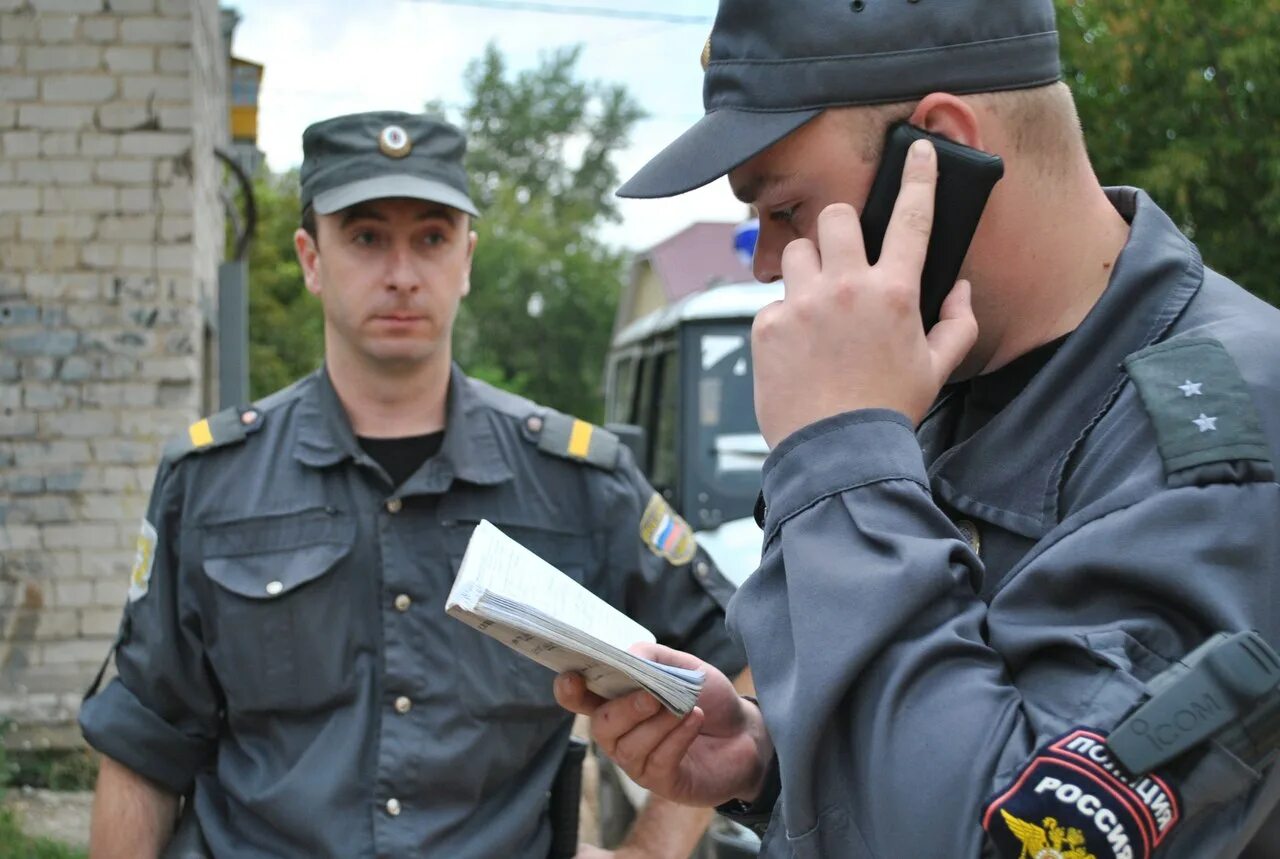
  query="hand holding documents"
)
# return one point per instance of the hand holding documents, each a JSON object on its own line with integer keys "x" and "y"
{"x": 511, "y": 594}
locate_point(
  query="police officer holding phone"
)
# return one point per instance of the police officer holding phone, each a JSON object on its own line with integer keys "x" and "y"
{"x": 987, "y": 543}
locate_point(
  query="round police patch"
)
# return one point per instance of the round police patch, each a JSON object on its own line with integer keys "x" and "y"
{"x": 666, "y": 534}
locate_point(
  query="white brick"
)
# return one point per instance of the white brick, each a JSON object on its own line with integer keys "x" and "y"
{"x": 19, "y": 200}
{"x": 75, "y": 652}
{"x": 64, "y": 171}
{"x": 149, "y": 423}
{"x": 87, "y": 198}
{"x": 175, "y": 118}
{"x": 175, "y": 60}
{"x": 125, "y": 172}
{"x": 155, "y": 88}
{"x": 60, "y": 28}
{"x": 8, "y": 116}
{"x": 16, "y": 28}
{"x": 78, "y": 88}
{"x": 81, "y": 536}
{"x": 99, "y": 255}
{"x": 155, "y": 31}
{"x": 78, "y": 424}
{"x": 175, "y": 258}
{"x": 177, "y": 199}
{"x": 17, "y": 425}
{"x": 44, "y": 454}
{"x": 99, "y": 621}
{"x": 86, "y": 7}
{"x": 70, "y": 58}
{"x": 128, "y": 228}
{"x": 124, "y": 117}
{"x": 57, "y": 625}
{"x": 48, "y": 398}
{"x": 60, "y": 144}
{"x": 46, "y": 228}
{"x": 19, "y": 537}
{"x": 137, "y": 200}
{"x": 176, "y": 228}
{"x": 171, "y": 369}
{"x": 104, "y": 29}
{"x": 154, "y": 143}
{"x": 23, "y": 256}
{"x": 117, "y": 452}
{"x": 95, "y": 145}
{"x": 133, "y": 7}
{"x": 62, "y": 117}
{"x": 133, "y": 59}
{"x": 113, "y": 508}
{"x": 176, "y": 8}
{"x": 13, "y": 88}
{"x": 9, "y": 56}
{"x": 20, "y": 144}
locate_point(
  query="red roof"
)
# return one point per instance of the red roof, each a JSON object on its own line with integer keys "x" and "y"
{"x": 695, "y": 258}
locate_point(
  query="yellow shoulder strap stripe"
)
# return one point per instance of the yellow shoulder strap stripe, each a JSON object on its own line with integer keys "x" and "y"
{"x": 580, "y": 439}
{"x": 201, "y": 436}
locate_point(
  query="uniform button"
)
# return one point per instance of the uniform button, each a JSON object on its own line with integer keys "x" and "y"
{"x": 274, "y": 588}
{"x": 249, "y": 417}
{"x": 393, "y": 807}
{"x": 403, "y": 602}
{"x": 534, "y": 423}
{"x": 394, "y": 505}
{"x": 403, "y": 705}
{"x": 701, "y": 570}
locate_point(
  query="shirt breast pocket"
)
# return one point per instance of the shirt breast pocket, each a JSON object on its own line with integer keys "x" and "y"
{"x": 281, "y": 636}
{"x": 492, "y": 680}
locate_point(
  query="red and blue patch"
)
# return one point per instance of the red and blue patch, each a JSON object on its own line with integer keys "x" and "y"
{"x": 1074, "y": 801}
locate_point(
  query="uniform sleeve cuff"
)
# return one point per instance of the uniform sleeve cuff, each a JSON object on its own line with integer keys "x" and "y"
{"x": 121, "y": 727}
{"x": 835, "y": 455}
{"x": 756, "y": 815}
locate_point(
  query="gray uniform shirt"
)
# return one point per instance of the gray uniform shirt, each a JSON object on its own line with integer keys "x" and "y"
{"x": 290, "y": 656}
{"x": 930, "y": 617}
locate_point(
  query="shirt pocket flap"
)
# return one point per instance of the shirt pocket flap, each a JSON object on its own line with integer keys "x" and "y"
{"x": 264, "y": 564}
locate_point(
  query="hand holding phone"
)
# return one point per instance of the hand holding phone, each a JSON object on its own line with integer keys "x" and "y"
{"x": 965, "y": 179}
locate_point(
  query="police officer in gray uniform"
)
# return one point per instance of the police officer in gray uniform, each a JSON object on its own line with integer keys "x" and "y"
{"x": 966, "y": 588}
{"x": 284, "y": 658}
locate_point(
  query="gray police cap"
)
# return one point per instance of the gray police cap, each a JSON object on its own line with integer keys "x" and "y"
{"x": 773, "y": 65}
{"x": 370, "y": 156}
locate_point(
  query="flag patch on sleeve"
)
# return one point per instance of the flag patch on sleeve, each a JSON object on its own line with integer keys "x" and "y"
{"x": 666, "y": 534}
{"x": 1073, "y": 801}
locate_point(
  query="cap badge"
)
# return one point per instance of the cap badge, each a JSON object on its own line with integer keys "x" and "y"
{"x": 706, "y": 54}
{"x": 394, "y": 142}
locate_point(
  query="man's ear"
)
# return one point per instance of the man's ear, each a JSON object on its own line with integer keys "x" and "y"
{"x": 472, "y": 238}
{"x": 309, "y": 258}
{"x": 948, "y": 116}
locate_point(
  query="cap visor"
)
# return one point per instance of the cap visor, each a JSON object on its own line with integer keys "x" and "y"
{"x": 382, "y": 187}
{"x": 716, "y": 144}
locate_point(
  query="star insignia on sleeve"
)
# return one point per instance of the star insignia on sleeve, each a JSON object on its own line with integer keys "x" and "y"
{"x": 1206, "y": 423}
{"x": 1191, "y": 389}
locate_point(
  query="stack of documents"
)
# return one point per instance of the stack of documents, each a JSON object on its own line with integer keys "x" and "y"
{"x": 511, "y": 594}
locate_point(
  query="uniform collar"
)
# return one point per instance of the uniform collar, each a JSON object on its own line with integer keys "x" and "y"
{"x": 1010, "y": 472}
{"x": 470, "y": 451}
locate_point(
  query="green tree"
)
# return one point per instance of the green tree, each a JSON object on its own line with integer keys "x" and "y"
{"x": 1183, "y": 99}
{"x": 286, "y": 325}
{"x": 544, "y": 287}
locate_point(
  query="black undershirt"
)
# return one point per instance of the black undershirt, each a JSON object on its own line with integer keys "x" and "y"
{"x": 986, "y": 396}
{"x": 401, "y": 457}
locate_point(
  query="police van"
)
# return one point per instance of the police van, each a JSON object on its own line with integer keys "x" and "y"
{"x": 679, "y": 391}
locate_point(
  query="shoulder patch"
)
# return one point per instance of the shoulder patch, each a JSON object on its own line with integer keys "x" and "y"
{"x": 570, "y": 438}
{"x": 1073, "y": 800}
{"x": 227, "y": 427}
{"x": 1201, "y": 408}
{"x": 666, "y": 534}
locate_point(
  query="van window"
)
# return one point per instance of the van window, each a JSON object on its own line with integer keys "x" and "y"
{"x": 665, "y": 460}
{"x": 621, "y": 407}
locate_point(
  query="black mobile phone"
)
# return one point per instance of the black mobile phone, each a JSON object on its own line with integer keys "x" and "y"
{"x": 965, "y": 179}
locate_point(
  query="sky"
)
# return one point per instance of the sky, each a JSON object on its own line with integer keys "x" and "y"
{"x": 324, "y": 58}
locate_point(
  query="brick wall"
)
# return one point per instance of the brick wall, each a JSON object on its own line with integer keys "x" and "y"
{"x": 110, "y": 235}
